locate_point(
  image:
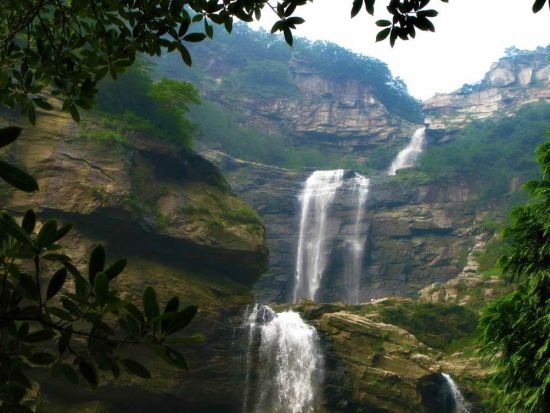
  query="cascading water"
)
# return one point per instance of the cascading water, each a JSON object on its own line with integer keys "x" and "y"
{"x": 317, "y": 197}
{"x": 291, "y": 366}
{"x": 288, "y": 361}
{"x": 407, "y": 157}
{"x": 254, "y": 317}
{"x": 356, "y": 242}
{"x": 459, "y": 401}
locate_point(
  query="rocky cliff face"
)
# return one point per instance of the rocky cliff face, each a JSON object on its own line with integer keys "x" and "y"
{"x": 173, "y": 216}
{"x": 416, "y": 234}
{"x": 377, "y": 361}
{"x": 340, "y": 116}
{"x": 518, "y": 79}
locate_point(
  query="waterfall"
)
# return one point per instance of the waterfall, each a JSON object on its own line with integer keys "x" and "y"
{"x": 316, "y": 199}
{"x": 258, "y": 315}
{"x": 407, "y": 157}
{"x": 356, "y": 242}
{"x": 459, "y": 401}
{"x": 291, "y": 366}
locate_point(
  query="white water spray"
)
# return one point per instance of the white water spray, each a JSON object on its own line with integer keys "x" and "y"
{"x": 255, "y": 316}
{"x": 291, "y": 366}
{"x": 317, "y": 197}
{"x": 408, "y": 156}
{"x": 460, "y": 403}
{"x": 356, "y": 242}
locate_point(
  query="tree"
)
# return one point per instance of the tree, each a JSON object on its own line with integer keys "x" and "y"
{"x": 53, "y": 316}
{"x": 65, "y": 47}
{"x": 516, "y": 328}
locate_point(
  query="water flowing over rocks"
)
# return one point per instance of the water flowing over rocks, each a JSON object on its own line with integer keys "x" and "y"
{"x": 408, "y": 156}
{"x": 415, "y": 234}
{"x": 288, "y": 360}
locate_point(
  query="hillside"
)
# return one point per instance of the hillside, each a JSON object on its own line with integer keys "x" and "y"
{"x": 315, "y": 104}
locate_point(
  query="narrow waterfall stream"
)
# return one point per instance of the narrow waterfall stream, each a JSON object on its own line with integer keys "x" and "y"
{"x": 356, "y": 242}
{"x": 289, "y": 363}
{"x": 459, "y": 401}
{"x": 317, "y": 197}
{"x": 408, "y": 156}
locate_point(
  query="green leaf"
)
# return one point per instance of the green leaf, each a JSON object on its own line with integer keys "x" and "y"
{"x": 17, "y": 178}
{"x": 101, "y": 288}
{"x": 357, "y": 4}
{"x": 69, "y": 373}
{"x": 61, "y": 232}
{"x": 42, "y": 358}
{"x": 74, "y": 110}
{"x": 57, "y": 257}
{"x": 208, "y": 29}
{"x": 150, "y": 304}
{"x": 288, "y": 36}
{"x": 89, "y": 372}
{"x": 97, "y": 262}
{"x": 28, "y": 287}
{"x": 56, "y": 283}
{"x": 181, "y": 319}
{"x": 369, "y": 4}
{"x": 46, "y": 235}
{"x": 538, "y": 5}
{"x": 382, "y": 34}
{"x": 9, "y": 226}
{"x": 136, "y": 368}
{"x": 383, "y": 23}
{"x": 29, "y": 221}
{"x": 172, "y": 305}
{"x": 40, "y": 335}
{"x": 64, "y": 340}
{"x": 115, "y": 269}
{"x": 172, "y": 357}
{"x": 194, "y": 37}
{"x": 9, "y": 135}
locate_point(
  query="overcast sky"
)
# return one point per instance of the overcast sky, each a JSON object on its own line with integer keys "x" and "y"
{"x": 470, "y": 35}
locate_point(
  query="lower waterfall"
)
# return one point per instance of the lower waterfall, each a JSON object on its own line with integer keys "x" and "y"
{"x": 289, "y": 363}
{"x": 459, "y": 401}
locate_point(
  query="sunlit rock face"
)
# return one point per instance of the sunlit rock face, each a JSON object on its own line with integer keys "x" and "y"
{"x": 513, "y": 81}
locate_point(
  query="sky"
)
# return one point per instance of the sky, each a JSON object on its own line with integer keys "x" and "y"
{"x": 470, "y": 35}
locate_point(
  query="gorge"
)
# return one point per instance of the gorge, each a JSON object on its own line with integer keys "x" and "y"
{"x": 356, "y": 286}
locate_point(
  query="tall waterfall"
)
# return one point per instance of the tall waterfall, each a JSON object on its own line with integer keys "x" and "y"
{"x": 459, "y": 401}
{"x": 407, "y": 157}
{"x": 291, "y": 366}
{"x": 317, "y": 197}
{"x": 356, "y": 242}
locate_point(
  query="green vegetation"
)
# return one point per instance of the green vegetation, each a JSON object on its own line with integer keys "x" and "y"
{"x": 516, "y": 328}
{"x": 135, "y": 104}
{"x": 441, "y": 326}
{"x": 224, "y": 130}
{"x": 494, "y": 250}
{"x": 254, "y": 62}
{"x": 488, "y": 153}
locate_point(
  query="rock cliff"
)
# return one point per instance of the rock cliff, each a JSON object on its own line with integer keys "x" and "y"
{"x": 520, "y": 78}
{"x": 388, "y": 356}
{"x": 416, "y": 234}
{"x": 171, "y": 213}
